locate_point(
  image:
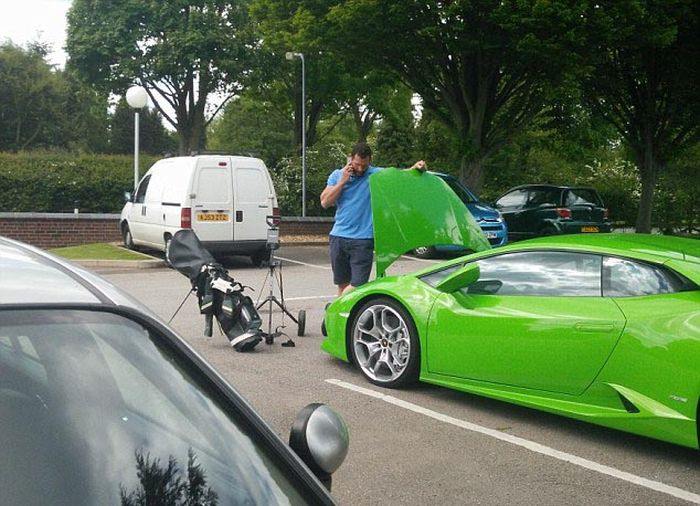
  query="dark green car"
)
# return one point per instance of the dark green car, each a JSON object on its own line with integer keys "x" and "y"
{"x": 537, "y": 210}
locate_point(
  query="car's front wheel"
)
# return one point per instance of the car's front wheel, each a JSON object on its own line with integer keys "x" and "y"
{"x": 385, "y": 343}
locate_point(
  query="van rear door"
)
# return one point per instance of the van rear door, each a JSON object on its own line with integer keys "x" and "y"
{"x": 254, "y": 200}
{"x": 213, "y": 203}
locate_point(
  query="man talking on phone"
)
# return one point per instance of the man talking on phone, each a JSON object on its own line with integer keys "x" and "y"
{"x": 352, "y": 236}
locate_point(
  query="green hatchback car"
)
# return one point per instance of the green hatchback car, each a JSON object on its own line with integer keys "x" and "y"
{"x": 603, "y": 328}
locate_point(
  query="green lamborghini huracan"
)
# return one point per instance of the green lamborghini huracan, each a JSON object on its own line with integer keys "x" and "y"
{"x": 603, "y": 327}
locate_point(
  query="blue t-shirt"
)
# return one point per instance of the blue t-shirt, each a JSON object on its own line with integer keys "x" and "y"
{"x": 353, "y": 215}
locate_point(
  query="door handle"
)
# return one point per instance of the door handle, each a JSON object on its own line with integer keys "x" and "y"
{"x": 594, "y": 327}
{"x": 143, "y": 210}
{"x": 263, "y": 205}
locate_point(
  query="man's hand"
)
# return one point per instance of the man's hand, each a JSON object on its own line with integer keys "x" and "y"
{"x": 347, "y": 172}
{"x": 330, "y": 195}
{"x": 420, "y": 165}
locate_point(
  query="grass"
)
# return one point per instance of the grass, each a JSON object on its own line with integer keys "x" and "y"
{"x": 98, "y": 251}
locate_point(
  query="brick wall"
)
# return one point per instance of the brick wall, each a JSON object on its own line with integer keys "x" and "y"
{"x": 54, "y": 230}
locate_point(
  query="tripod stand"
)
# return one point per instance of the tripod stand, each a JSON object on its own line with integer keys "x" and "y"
{"x": 272, "y": 278}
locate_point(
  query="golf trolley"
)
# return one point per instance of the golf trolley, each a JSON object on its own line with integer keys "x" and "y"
{"x": 272, "y": 278}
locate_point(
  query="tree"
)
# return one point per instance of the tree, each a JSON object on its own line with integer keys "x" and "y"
{"x": 31, "y": 98}
{"x": 484, "y": 68}
{"x": 181, "y": 51}
{"x": 396, "y": 135}
{"x": 644, "y": 81}
{"x": 153, "y": 137}
{"x": 250, "y": 126}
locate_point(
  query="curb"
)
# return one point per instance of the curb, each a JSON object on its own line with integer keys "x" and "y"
{"x": 134, "y": 264}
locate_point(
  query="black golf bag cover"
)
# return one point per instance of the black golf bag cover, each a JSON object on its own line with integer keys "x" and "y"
{"x": 235, "y": 312}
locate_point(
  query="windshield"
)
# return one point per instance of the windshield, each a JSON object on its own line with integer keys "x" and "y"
{"x": 95, "y": 409}
{"x": 463, "y": 193}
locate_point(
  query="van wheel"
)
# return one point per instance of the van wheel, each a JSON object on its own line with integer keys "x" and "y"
{"x": 167, "y": 250}
{"x": 127, "y": 238}
{"x": 259, "y": 257}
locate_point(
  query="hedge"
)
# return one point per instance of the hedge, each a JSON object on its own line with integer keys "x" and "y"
{"x": 60, "y": 182}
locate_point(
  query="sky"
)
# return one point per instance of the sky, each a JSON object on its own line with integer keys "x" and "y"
{"x": 28, "y": 20}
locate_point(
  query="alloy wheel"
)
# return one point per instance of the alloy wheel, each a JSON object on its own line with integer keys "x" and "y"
{"x": 382, "y": 343}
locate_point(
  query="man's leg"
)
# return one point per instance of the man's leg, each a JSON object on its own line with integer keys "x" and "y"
{"x": 361, "y": 256}
{"x": 340, "y": 263}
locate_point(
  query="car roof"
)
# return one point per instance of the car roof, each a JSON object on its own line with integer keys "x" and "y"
{"x": 29, "y": 275}
{"x": 551, "y": 186}
{"x": 662, "y": 246}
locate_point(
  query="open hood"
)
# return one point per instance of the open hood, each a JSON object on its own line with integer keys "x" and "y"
{"x": 412, "y": 209}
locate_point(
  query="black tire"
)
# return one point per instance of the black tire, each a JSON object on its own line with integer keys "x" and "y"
{"x": 547, "y": 231}
{"x": 425, "y": 252}
{"x": 409, "y": 374}
{"x": 166, "y": 251}
{"x": 301, "y": 325}
{"x": 259, "y": 257}
{"x": 127, "y": 238}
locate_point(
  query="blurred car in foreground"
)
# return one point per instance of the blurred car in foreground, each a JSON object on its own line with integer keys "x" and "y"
{"x": 489, "y": 219}
{"x": 101, "y": 403}
{"x": 538, "y": 210}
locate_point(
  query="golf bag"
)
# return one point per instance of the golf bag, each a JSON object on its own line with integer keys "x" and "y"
{"x": 218, "y": 294}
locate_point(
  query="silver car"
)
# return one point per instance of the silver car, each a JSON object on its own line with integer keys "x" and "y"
{"x": 102, "y": 403}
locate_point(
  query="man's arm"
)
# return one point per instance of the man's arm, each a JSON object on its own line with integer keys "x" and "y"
{"x": 330, "y": 195}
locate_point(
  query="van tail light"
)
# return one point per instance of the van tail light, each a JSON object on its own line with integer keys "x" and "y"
{"x": 276, "y": 217}
{"x": 564, "y": 213}
{"x": 606, "y": 214}
{"x": 186, "y": 217}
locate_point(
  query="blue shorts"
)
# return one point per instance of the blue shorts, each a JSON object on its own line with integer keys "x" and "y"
{"x": 351, "y": 260}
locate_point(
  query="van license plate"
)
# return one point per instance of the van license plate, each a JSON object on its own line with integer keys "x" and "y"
{"x": 589, "y": 229}
{"x": 212, "y": 217}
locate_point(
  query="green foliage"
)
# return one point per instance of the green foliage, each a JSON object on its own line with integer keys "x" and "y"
{"x": 41, "y": 107}
{"x": 153, "y": 137}
{"x": 58, "y": 182}
{"x": 250, "y": 126}
{"x": 181, "y": 51}
{"x": 320, "y": 162}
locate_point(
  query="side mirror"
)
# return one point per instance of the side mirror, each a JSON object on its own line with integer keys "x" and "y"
{"x": 459, "y": 279}
{"x": 320, "y": 437}
{"x": 128, "y": 197}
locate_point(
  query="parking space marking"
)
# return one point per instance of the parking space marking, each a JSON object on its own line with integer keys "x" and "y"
{"x": 525, "y": 443}
{"x": 311, "y": 297}
{"x": 326, "y": 267}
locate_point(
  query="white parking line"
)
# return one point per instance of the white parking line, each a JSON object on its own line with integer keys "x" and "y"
{"x": 524, "y": 443}
{"x": 326, "y": 267}
{"x": 312, "y": 297}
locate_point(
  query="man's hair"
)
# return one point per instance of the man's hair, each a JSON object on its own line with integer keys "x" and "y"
{"x": 362, "y": 149}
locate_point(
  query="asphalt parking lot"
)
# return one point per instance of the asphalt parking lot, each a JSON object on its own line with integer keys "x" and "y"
{"x": 423, "y": 445}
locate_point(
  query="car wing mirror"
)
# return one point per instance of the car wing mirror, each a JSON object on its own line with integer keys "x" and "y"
{"x": 320, "y": 437}
{"x": 128, "y": 197}
{"x": 459, "y": 279}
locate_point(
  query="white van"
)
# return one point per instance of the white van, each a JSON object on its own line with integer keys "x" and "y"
{"x": 225, "y": 199}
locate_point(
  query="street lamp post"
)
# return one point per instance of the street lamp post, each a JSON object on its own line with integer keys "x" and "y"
{"x": 137, "y": 98}
{"x": 291, "y": 56}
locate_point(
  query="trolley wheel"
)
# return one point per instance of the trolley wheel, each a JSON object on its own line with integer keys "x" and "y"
{"x": 301, "y": 322}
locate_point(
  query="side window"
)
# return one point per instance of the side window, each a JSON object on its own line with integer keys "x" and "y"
{"x": 516, "y": 198}
{"x": 543, "y": 196}
{"x": 537, "y": 273}
{"x": 141, "y": 192}
{"x": 626, "y": 278}
{"x": 582, "y": 196}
